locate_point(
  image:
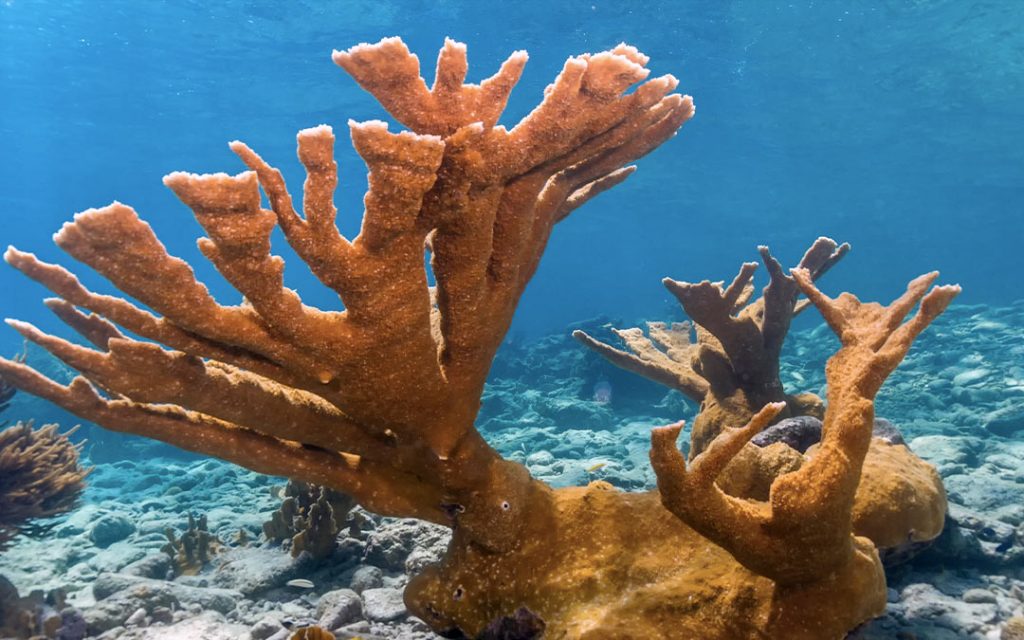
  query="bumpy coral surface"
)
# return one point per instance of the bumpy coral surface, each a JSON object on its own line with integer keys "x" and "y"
{"x": 379, "y": 400}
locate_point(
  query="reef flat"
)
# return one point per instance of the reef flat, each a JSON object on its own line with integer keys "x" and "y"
{"x": 958, "y": 400}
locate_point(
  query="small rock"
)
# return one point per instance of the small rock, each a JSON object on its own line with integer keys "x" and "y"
{"x": 979, "y": 596}
{"x": 137, "y": 619}
{"x": 110, "y": 529}
{"x": 162, "y": 615}
{"x": 355, "y": 629}
{"x": 383, "y": 604}
{"x": 155, "y": 565}
{"x": 366, "y": 577}
{"x": 1005, "y": 422}
{"x": 338, "y": 608}
{"x": 265, "y": 628}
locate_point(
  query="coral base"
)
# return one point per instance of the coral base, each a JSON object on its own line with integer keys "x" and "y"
{"x": 619, "y": 565}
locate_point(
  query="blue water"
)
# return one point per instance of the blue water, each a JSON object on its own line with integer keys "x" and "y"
{"x": 896, "y": 126}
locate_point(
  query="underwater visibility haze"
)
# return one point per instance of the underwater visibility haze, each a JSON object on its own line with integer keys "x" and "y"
{"x": 567, "y": 332}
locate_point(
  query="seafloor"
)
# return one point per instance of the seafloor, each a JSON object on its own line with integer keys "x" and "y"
{"x": 958, "y": 398}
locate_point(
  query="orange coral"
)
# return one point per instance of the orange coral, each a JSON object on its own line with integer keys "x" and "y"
{"x": 379, "y": 400}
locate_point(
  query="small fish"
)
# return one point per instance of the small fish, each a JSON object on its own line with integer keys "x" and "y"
{"x": 300, "y": 583}
{"x": 596, "y": 467}
{"x": 1005, "y": 545}
{"x": 602, "y": 392}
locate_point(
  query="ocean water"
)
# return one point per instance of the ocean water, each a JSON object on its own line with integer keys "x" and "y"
{"x": 896, "y": 126}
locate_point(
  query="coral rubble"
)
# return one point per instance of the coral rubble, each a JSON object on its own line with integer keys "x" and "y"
{"x": 379, "y": 400}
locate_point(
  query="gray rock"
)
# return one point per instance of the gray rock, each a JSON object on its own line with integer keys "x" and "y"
{"x": 209, "y": 625}
{"x": 155, "y": 565}
{"x": 111, "y": 585}
{"x": 977, "y": 596}
{"x": 112, "y": 612}
{"x": 162, "y": 615}
{"x": 366, "y": 577}
{"x": 265, "y": 628}
{"x": 338, "y": 608}
{"x": 383, "y": 604}
{"x": 355, "y": 629}
{"x": 799, "y": 433}
{"x": 253, "y": 570}
{"x": 1005, "y": 422}
{"x": 390, "y": 543}
{"x": 110, "y": 529}
{"x": 137, "y": 619}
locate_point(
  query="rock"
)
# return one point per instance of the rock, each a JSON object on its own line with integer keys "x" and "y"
{"x": 355, "y": 629}
{"x": 254, "y": 570}
{"x": 887, "y": 431}
{"x": 118, "y": 592}
{"x": 265, "y": 628}
{"x": 366, "y": 577}
{"x": 799, "y": 433}
{"x": 162, "y": 615}
{"x": 113, "y": 611}
{"x": 979, "y": 596}
{"x": 421, "y": 557}
{"x": 390, "y": 543}
{"x": 383, "y": 604}
{"x": 155, "y": 565}
{"x": 137, "y": 619}
{"x": 72, "y": 625}
{"x": 338, "y": 608}
{"x": 1006, "y": 422}
{"x": 970, "y": 376}
{"x": 208, "y": 625}
{"x": 110, "y": 529}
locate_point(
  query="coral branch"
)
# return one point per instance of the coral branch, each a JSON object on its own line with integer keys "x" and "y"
{"x": 733, "y": 368}
{"x": 377, "y": 398}
{"x": 40, "y": 477}
{"x": 805, "y": 531}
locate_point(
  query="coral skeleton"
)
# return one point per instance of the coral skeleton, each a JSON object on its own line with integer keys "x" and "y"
{"x": 378, "y": 399}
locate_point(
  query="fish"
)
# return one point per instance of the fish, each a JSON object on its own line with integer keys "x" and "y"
{"x": 596, "y": 467}
{"x": 300, "y": 583}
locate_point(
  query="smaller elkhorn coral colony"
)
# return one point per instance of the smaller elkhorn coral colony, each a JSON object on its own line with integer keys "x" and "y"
{"x": 744, "y": 539}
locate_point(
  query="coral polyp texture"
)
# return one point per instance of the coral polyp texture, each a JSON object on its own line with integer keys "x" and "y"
{"x": 378, "y": 400}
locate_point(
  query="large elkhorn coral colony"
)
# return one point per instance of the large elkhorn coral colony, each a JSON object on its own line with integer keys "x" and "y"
{"x": 379, "y": 400}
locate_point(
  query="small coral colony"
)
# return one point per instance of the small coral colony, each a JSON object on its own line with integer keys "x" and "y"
{"x": 776, "y": 523}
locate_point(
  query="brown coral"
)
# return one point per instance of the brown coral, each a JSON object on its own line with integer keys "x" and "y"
{"x": 40, "y": 477}
{"x": 310, "y": 516}
{"x": 379, "y": 400}
{"x": 194, "y": 548}
{"x": 732, "y": 369}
